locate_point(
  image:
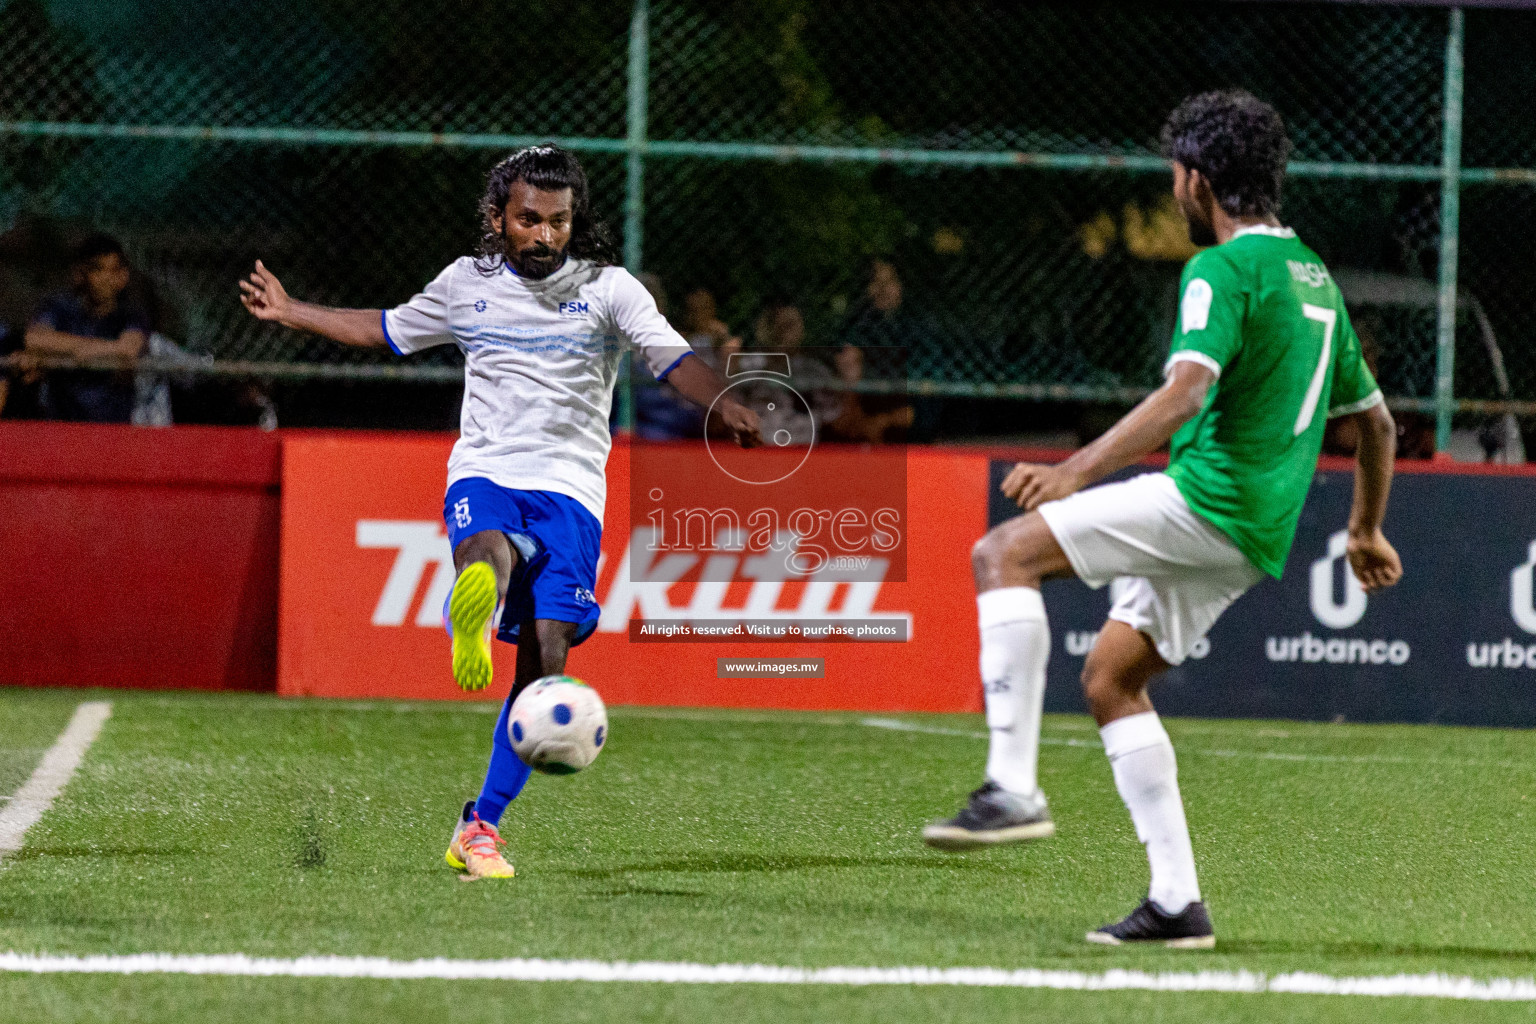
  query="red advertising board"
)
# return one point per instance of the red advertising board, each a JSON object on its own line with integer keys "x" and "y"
{"x": 366, "y": 567}
{"x": 138, "y": 557}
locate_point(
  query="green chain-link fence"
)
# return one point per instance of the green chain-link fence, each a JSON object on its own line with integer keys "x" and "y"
{"x": 1002, "y": 157}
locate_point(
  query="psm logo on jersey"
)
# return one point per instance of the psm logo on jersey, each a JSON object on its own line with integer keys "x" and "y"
{"x": 585, "y": 596}
{"x": 573, "y": 309}
{"x": 479, "y": 305}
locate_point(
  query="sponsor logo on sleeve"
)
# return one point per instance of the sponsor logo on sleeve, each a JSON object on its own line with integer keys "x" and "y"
{"x": 1195, "y": 312}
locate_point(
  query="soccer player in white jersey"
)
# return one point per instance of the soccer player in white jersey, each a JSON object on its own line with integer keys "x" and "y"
{"x": 1262, "y": 356}
{"x": 542, "y": 317}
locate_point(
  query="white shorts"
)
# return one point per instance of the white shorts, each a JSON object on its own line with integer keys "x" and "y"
{"x": 1174, "y": 573}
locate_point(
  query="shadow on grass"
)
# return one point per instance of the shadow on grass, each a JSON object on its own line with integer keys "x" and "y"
{"x": 1370, "y": 950}
{"x": 764, "y": 863}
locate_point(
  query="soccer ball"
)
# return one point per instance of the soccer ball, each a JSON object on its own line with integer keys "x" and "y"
{"x": 558, "y": 725}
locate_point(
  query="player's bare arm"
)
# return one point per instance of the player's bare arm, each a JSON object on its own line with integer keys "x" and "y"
{"x": 697, "y": 380}
{"x": 1139, "y": 433}
{"x": 266, "y": 298}
{"x": 1371, "y": 556}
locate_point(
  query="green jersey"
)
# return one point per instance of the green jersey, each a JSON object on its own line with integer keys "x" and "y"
{"x": 1263, "y": 314}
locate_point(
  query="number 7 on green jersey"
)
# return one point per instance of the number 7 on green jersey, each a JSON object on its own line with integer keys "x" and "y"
{"x": 1328, "y": 318}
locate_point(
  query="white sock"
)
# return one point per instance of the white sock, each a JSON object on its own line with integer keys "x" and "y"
{"x": 1148, "y": 780}
{"x": 1015, "y": 642}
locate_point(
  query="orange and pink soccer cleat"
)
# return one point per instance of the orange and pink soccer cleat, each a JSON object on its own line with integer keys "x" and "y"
{"x": 473, "y": 849}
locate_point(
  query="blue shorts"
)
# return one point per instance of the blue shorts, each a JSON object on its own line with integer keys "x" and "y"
{"x": 557, "y": 541}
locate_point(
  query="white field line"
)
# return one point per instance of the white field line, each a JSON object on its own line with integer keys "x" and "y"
{"x": 53, "y": 772}
{"x": 1437, "y": 986}
{"x": 897, "y": 725}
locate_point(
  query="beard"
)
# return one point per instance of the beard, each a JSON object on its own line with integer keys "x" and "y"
{"x": 534, "y": 262}
{"x": 1201, "y": 234}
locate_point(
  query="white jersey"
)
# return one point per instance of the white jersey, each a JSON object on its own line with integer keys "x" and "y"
{"x": 540, "y": 362}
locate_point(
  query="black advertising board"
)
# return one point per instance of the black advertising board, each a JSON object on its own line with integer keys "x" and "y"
{"x": 1453, "y": 643}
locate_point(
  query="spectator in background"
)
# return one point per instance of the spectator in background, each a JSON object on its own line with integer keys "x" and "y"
{"x": 661, "y": 414}
{"x": 880, "y": 336}
{"x": 705, "y": 331}
{"x": 91, "y": 322}
{"x": 884, "y": 326}
{"x": 870, "y": 418}
{"x": 780, "y": 328}
{"x": 18, "y": 377}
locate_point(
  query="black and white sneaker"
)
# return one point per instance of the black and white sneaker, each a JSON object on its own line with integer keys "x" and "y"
{"x": 1188, "y": 929}
{"x": 992, "y": 817}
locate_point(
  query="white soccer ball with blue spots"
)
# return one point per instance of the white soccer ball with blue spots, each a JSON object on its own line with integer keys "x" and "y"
{"x": 558, "y": 725}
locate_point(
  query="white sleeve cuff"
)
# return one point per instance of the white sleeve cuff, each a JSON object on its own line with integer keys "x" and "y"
{"x": 388, "y": 340}
{"x": 1374, "y": 398}
{"x": 1191, "y": 356}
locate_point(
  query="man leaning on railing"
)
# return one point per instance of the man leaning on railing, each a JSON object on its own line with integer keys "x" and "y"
{"x": 91, "y": 323}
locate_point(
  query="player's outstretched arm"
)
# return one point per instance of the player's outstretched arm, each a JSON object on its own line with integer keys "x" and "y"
{"x": 1139, "y": 433}
{"x": 1371, "y": 556}
{"x": 267, "y": 299}
{"x": 697, "y": 380}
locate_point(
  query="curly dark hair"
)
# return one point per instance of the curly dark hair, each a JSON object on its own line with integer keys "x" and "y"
{"x": 547, "y": 167}
{"x": 1238, "y": 142}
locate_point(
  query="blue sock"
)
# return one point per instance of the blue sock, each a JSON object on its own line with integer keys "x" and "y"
{"x": 505, "y": 777}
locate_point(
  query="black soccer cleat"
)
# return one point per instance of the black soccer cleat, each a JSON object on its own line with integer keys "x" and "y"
{"x": 993, "y": 817}
{"x": 1188, "y": 929}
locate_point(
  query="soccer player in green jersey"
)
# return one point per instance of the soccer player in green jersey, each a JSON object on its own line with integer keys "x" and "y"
{"x": 1263, "y": 355}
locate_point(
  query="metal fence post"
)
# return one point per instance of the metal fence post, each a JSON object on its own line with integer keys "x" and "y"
{"x": 637, "y": 126}
{"x": 1450, "y": 232}
{"x": 639, "y": 84}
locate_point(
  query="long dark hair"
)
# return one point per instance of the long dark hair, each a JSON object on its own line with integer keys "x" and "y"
{"x": 549, "y": 168}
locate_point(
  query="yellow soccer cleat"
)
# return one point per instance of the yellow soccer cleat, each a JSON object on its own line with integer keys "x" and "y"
{"x": 470, "y": 612}
{"x": 473, "y": 849}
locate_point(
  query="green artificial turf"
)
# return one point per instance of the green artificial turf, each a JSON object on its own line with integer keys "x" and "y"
{"x": 30, "y": 720}
{"x": 217, "y": 824}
